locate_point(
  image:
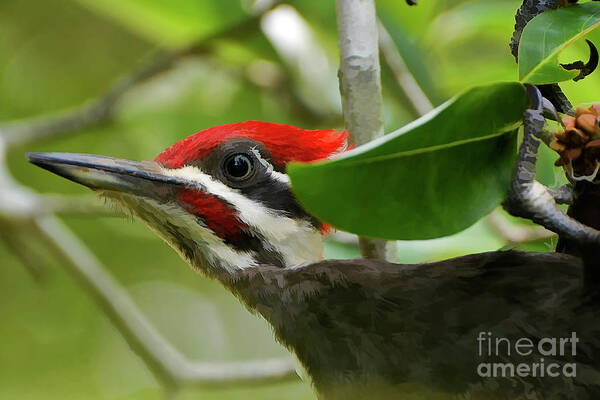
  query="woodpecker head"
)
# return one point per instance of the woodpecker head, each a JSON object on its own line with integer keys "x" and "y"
{"x": 220, "y": 197}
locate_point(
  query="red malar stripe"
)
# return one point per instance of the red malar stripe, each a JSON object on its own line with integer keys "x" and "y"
{"x": 216, "y": 214}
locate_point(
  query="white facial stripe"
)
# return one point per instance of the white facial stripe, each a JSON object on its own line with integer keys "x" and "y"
{"x": 217, "y": 253}
{"x": 250, "y": 212}
{"x": 297, "y": 241}
{"x": 274, "y": 174}
{"x": 280, "y": 177}
{"x": 261, "y": 160}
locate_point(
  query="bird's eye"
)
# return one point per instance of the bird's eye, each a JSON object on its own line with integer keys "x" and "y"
{"x": 238, "y": 167}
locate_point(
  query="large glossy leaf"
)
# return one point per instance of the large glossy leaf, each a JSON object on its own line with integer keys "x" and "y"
{"x": 434, "y": 177}
{"x": 547, "y": 35}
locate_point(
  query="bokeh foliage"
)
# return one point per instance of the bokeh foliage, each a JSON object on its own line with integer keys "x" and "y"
{"x": 56, "y": 343}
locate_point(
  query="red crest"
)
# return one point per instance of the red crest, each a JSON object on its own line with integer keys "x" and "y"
{"x": 284, "y": 142}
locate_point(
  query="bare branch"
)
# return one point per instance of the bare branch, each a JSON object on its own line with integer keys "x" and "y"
{"x": 19, "y": 207}
{"x": 529, "y": 10}
{"x": 12, "y": 238}
{"x": 343, "y": 237}
{"x": 415, "y": 96}
{"x": 360, "y": 73}
{"x": 169, "y": 365}
{"x": 102, "y": 109}
{"x": 562, "y": 195}
{"x": 515, "y": 234}
{"x": 360, "y": 86}
{"x": 75, "y": 205}
{"x": 88, "y": 114}
{"x": 530, "y": 199}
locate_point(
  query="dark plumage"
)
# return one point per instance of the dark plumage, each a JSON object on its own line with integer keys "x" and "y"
{"x": 362, "y": 329}
{"x": 377, "y": 330}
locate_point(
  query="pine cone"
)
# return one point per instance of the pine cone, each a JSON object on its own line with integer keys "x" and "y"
{"x": 579, "y": 143}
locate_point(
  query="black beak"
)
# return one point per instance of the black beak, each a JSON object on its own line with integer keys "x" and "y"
{"x": 106, "y": 173}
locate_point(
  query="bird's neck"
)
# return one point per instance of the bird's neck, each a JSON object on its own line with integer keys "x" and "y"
{"x": 299, "y": 304}
{"x": 291, "y": 244}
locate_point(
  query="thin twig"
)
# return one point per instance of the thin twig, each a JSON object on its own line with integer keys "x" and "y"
{"x": 515, "y": 234}
{"x": 360, "y": 72}
{"x": 562, "y": 195}
{"x": 343, "y": 237}
{"x": 102, "y": 109}
{"x": 530, "y": 199}
{"x": 19, "y": 206}
{"x": 529, "y": 10}
{"x": 168, "y": 363}
{"x": 13, "y": 239}
{"x": 360, "y": 86}
{"x": 76, "y": 205}
{"x": 409, "y": 86}
{"x": 88, "y": 114}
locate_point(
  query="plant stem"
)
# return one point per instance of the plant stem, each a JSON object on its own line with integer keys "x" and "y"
{"x": 360, "y": 87}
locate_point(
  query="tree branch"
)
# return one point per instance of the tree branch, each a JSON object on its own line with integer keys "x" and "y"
{"x": 577, "y": 234}
{"x": 530, "y": 199}
{"x": 88, "y": 114}
{"x": 360, "y": 87}
{"x": 75, "y": 205}
{"x": 529, "y": 10}
{"x": 168, "y": 363}
{"x": 21, "y": 207}
{"x": 103, "y": 108}
{"x": 360, "y": 73}
{"x": 515, "y": 234}
{"x": 415, "y": 96}
{"x": 19, "y": 211}
{"x": 19, "y": 242}
{"x": 562, "y": 195}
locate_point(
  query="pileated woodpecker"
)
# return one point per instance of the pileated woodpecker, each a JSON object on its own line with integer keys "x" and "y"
{"x": 363, "y": 329}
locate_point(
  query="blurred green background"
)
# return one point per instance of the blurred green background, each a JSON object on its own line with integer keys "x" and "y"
{"x": 55, "y": 342}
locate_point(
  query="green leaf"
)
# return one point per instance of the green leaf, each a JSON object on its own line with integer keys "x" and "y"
{"x": 434, "y": 177}
{"x": 547, "y": 35}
